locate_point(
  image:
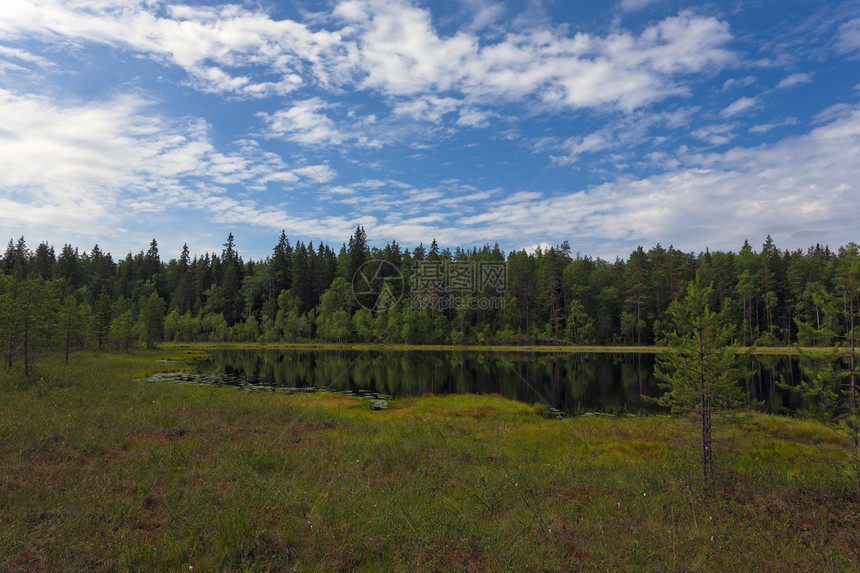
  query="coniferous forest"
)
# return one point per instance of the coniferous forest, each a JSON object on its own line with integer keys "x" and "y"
{"x": 73, "y": 299}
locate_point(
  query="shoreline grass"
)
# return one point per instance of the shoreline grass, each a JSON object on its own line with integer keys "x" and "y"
{"x": 386, "y": 347}
{"x": 100, "y": 470}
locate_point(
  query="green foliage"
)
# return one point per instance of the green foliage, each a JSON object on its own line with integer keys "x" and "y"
{"x": 700, "y": 370}
{"x": 701, "y": 365}
{"x": 550, "y": 296}
{"x": 152, "y": 319}
{"x": 830, "y": 382}
{"x": 122, "y": 330}
{"x": 101, "y": 471}
{"x": 101, "y": 319}
{"x": 27, "y": 308}
{"x": 829, "y": 388}
{"x": 333, "y": 321}
{"x": 73, "y": 324}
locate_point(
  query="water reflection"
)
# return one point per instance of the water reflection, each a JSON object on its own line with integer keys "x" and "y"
{"x": 573, "y": 382}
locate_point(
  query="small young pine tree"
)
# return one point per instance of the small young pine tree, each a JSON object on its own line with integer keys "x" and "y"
{"x": 700, "y": 367}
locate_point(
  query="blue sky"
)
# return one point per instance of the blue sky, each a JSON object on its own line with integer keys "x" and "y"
{"x": 606, "y": 124}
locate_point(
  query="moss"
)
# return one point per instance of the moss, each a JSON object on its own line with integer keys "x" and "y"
{"x": 107, "y": 472}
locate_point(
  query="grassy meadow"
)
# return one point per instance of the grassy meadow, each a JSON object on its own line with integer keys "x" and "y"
{"x": 101, "y": 470}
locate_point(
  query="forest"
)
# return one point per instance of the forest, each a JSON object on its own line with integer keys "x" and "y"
{"x": 304, "y": 292}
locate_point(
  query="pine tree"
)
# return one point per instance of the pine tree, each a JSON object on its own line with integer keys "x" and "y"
{"x": 152, "y": 311}
{"x": 72, "y": 323}
{"x": 357, "y": 249}
{"x": 181, "y": 295}
{"x": 301, "y": 282}
{"x": 699, "y": 367}
{"x": 282, "y": 259}
{"x": 102, "y": 319}
{"x": 44, "y": 260}
{"x": 229, "y": 302}
{"x": 32, "y": 306}
{"x": 831, "y": 385}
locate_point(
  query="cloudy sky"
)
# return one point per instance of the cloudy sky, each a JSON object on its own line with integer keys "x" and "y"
{"x": 609, "y": 124}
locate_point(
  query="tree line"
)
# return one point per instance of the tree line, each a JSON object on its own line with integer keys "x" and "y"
{"x": 304, "y": 292}
{"x": 702, "y": 306}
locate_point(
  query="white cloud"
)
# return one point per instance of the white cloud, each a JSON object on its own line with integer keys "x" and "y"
{"x": 625, "y": 133}
{"x": 484, "y": 13}
{"x": 532, "y": 249}
{"x": 620, "y": 70}
{"x": 232, "y": 212}
{"x": 319, "y": 173}
{"x": 719, "y": 134}
{"x": 732, "y": 83}
{"x": 766, "y": 127}
{"x": 399, "y": 52}
{"x": 848, "y": 36}
{"x": 434, "y": 109}
{"x": 305, "y": 123}
{"x": 389, "y": 47}
{"x": 472, "y": 117}
{"x": 739, "y": 106}
{"x": 634, "y": 5}
{"x": 91, "y": 168}
{"x": 99, "y": 165}
{"x": 205, "y": 41}
{"x": 800, "y": 189}
{"x": 793, "y": 80}
{"x": 80, "y": 167}
{"x": 8, "y": 53}
{"x": 591, "y": 143}
{"x": 396, "y": 205}
{"x": 426, "y": 108}
{"x": 834, "y": 112}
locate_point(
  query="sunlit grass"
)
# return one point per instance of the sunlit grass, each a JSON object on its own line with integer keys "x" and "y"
{"x": 100, "y": 470}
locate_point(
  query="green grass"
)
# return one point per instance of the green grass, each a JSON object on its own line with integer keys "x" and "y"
{"x": 409, "y": 347}
{"x": 381, "y": 347}
{"x": 102, "y": 471}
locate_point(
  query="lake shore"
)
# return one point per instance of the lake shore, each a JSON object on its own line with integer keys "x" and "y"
{"x": 101, "y": 470}
{"x": 764, "y": 350}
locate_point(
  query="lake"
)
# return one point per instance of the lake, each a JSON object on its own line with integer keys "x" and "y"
{"x": 572, "y": 382}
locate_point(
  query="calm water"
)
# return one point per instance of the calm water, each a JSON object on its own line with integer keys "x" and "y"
{"x": 578, "y": 382}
